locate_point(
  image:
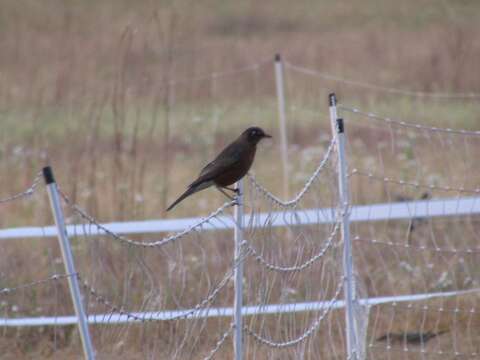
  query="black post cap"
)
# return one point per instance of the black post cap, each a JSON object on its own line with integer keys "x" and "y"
{"x": 48, "y": 175}
{"x": 278, "y": 58}
{"x": 340, "y": 127}
{"x": 332, "y": 99}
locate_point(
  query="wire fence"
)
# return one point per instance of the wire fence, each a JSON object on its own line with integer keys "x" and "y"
{"x": 380, "y": 88}
{"x": 412, "y": 290}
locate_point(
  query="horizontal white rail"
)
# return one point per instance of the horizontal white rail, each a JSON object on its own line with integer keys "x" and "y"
{"x": 375, "y": 212}
{"x": 116, "y": 318}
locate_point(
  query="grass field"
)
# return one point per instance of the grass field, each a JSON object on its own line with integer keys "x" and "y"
{"x": 83, "y": 88}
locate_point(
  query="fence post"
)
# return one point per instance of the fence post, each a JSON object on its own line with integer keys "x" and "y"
{"x": 349, "y": 280}
{"x": 238, "y": 276}
{"x": 68, "y": 262}
{"x": 282, "y": 117}
{"x": 332, "y": 102}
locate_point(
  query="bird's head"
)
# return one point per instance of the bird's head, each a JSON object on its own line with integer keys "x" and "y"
{"x": 254, "y": 134}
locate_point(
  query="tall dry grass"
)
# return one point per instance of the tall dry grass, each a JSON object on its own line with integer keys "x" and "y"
{"x": 83, "y": 87}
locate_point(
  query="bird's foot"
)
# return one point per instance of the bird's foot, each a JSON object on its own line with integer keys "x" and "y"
{"x": 235, "y": 190}
{"x": 236, "y": 201}
{"x": 237, "y": 197}
{"x": 225, "y": 193}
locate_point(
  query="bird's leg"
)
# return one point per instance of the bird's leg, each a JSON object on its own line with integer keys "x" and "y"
{"x": 237, "y": 193}
{"x": 224, "y": 193}
{"x": 235, "y": 190}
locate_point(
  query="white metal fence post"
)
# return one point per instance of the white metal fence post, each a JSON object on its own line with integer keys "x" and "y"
{"x": 238, "y": 276}
{"x": 332, "y": 101}
{"x": 349, "y": 280}
{"x": 68, "y": 262}
{"x": 282, "y": 117}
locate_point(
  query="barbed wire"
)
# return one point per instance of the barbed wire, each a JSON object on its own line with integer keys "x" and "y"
{"x": 103, "y": 229}
{"x": 55, "y": 277}
{"x": 262, "y": 340}
{"x": 249, "y": 249}
{"x": 220, "y": 342}
{"x": 260, "y": 258}
{"x": 402, "y": 123}
{"x": 440, "y": 309}
{"x": 120, "y": 310}
{"x": 419, "y": 247}
{"x": 186, "y": 314}
{"x": 387, "y": 179}
{"x": 26, "y": 193}
{"x": 423, "y": 94}
{"x": 293, "y": 202}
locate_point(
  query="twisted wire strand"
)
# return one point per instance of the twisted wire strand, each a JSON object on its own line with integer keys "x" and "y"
{"x": 83, "y": 214}
{"x": 370, "y": 175}
{"x": 440, "y": 309}
{"x": 220, "y": 74}
{"x": 220, "y": 342}
{"x": 55, "y": 277}
{"x": 419, "y": 247}
{"x": 278, "y": 345}
{"x": 406, "y": 124}
{"x": 270, "y": 266}
{"x": 422, "y": 94}
{"x": 26, "y": 193}
{"x": 293, "y": 202}
{"x": 198, "y": 307}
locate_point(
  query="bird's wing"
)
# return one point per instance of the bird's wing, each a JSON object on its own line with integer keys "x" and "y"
{"x": 229, "y": 157}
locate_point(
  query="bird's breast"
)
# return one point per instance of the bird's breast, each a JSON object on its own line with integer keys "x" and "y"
{"x": 239, "y": 170}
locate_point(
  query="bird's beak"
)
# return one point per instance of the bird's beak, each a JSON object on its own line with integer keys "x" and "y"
{"x": 267, "y": 136}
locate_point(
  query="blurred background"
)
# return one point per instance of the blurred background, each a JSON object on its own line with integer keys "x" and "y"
{"x": 84, "y": 85}
{"x": 127, "y": 100}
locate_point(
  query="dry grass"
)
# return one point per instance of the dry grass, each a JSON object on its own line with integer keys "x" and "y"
{"x": 82, "y": 87}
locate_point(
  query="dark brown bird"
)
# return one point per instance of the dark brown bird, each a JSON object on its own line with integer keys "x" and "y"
{"x": 229, "y": 166}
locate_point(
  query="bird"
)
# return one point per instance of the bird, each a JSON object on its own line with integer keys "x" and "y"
{"x": 229, "y": 166}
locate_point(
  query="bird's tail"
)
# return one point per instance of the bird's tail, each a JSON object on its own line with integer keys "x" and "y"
{"x": 190, "y": 191}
